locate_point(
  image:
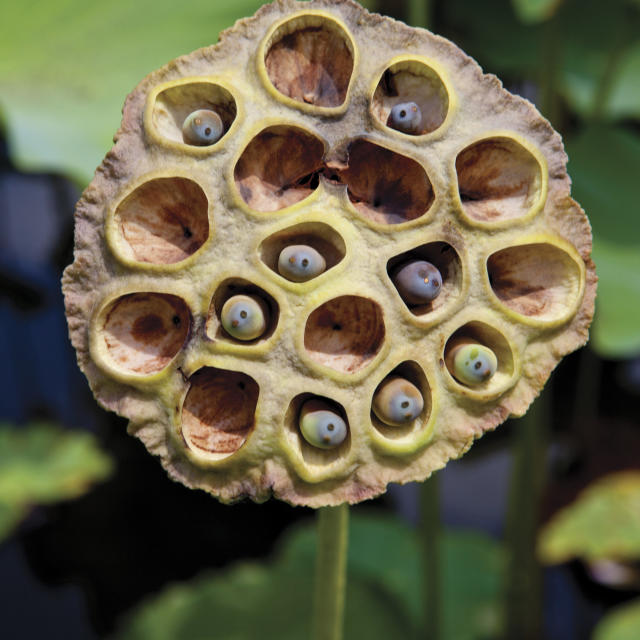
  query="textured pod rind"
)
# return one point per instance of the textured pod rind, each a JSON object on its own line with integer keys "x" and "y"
{"x": 483, "y": 124}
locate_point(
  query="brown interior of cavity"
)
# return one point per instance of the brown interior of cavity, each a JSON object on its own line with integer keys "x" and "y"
{"x": 233, "y": 287}
{"x": 534, "y": 279}
{"x": 173, "y": 105}
{"x": 143, "y": 332}
{"x": 164, "y": 220}
{"x": 219, "y": 410}
{"x": 279, "y": 168}
{"x": 498, "y": 179}
{"x": 385, "y": 186}
{"x": 309, "y": 60}
{"x": 345, "y": 333}
{"x": 412, "y": 81}
{"x": 479, "y": 332}
{"x": 325, "y": 240}
{"x": 412, "y": 372}
{"x": 310, "y": 454}
{"x": 442, "y": 256}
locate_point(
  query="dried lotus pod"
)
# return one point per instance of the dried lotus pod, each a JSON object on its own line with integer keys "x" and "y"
{"x": 168, "y": 231}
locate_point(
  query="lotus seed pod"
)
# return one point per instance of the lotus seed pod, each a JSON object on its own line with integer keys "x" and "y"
{"x": 300, "y": 263}
{"x": 473, "y": 363}
{"x": 321, "y": 426}
{"x": 244, "y": 317}
{"x": 405, "y": 117}
{"x": 397, "y": 402}
{"x": 418, "y": 282}
{"x": 202, "y": 127}
{"x": 305, "y": 92}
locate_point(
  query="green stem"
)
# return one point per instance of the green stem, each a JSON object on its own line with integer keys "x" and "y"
{"x": 430, "y": 529}
{"x": 524, "y": 576}
{"x": 331, "y": 572}
{"x": 419, "y": 13}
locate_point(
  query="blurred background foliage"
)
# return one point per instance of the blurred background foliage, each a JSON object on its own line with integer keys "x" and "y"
{"x": 65, "y": 67}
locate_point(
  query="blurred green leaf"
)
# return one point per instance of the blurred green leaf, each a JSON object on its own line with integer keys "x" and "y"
{"x": 595, "y": 52}
{"x": 530, "y": 11}
{"x": 602, "y": 523}
{"x": 67, "y": 65}
{"x": 490, "y": 32}
{"x": 603, "y": 164}
{"x": 40, "y": 464}
{"x": 623, "y": 623}
{"x": 383, "y": 598}
{"x": 624, "y": 97}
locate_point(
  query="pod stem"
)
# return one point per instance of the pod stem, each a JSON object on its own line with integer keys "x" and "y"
{"x": 524, "y": 575}
{"x": 430, "y": 536}
{"x": 331, "y": 572}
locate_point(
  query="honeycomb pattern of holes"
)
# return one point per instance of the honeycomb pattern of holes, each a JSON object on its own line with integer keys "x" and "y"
{"x": 218, "y": 412}
{"x": 310, "y": 59}
{"x": 278, "y": 168}
{"x": 384, "y": 186}
{"x": 476, "y": 332}
{"x": 345, "y": 333}
{"x": 174, "y": 103}
{"x": 323, "y": 238}
{"x": 445, "y": 258}
{"x": 239, "y": 286}
{"x": 498, "y": 179}
{"x": 311, "y": 455}
{"x": 411, "y": 371}
{"x": 143, "y": 332}
{"x": 411, "y": 80}
{"x": 538, "y": 280}
{"x": 164, "y": 220}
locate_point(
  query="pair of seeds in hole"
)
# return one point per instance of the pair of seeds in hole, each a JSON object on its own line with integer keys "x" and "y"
{"x": 202, "y": 128}
{"x": 396, "y": 402}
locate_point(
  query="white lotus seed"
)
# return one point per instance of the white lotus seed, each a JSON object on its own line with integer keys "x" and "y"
{"x": 418, "y": 282}
{"x": 244, "y": 317}
{"x": 320, "y": 425}
{"x": 300, "y": 263}
{"x": 405, "y": 117}
{"x": 202, "y": 127}
{"x": 397, "y": 401}
{"x": 474, "y": 364}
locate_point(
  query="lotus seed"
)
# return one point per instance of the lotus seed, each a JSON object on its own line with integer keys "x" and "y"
{"x": 300, "y": 263}
{"x": 418, "y": 282}
{"x": 320, "y": 425}
{"x": 474, "y": 364}
{"x": 405, "y": 117}
{"x": 397, "y": 402}
{"x": 244, "y": 317}
{"x": 202, "y": 127}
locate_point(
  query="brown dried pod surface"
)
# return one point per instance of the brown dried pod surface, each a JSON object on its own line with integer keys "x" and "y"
{"x": 167, "y": 232}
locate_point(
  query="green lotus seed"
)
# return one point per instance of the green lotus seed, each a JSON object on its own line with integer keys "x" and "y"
{"x": 405, "y": 117}
{"x": 320, "y": 425}
{"x": 202, "y": 127}
{"x": 473, "y": 364}
{"x": 300, "y": 263}
{"x": 418, "y": 282}
{"x": 397, "y": 401}
{"x": 244, "y": 317}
